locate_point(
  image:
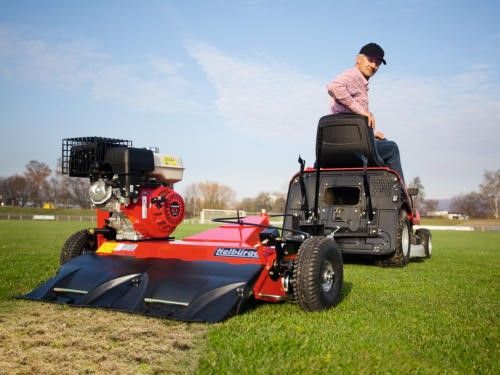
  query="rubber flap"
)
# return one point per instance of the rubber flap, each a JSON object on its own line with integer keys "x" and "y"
{"x": 169, "y": 288}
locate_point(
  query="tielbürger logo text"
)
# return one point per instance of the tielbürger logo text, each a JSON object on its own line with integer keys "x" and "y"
{"x": 235, "y": 252}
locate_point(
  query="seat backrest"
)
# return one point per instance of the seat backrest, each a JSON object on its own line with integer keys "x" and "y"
{"x": 342, "y": 139}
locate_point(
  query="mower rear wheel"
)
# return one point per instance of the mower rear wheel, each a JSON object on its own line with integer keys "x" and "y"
{"x": 426, "y": 240}
{"x": 401, "y": 256}
{"x": 77, "y": 244}
{"x": 318, "y": 274}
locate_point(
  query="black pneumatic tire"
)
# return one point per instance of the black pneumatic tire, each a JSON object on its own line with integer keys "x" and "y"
{"x": 401, "y": 256}
{"x": 426, "y": 240}
{"x": 318, "y": 274}
{"x": 77, "y": 244}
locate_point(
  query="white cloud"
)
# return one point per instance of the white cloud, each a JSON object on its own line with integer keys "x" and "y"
{"x": 156, "y": 85}
{"x": 257, "y": 97}
{"x": 69, "y": 63}
{"x": 447, "y": 128}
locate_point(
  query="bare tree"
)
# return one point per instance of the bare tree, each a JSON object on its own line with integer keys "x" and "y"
{"x": 247, "y": 204}
{"x": 192, "y": 199}
{"x": 429, "y": 205}
{"x": 491, "y": 189}
{"x": 64, "y": 194}
{"x": 71, "y": 191}
{"x": 271, "y": 202}
{"x": 16, "y": 190}
{"x": 78, "y": 189}
{"x": 279, "y": 203}
{"x": 54, "y": 189}
{"x": 3, "y": 195}
{"x": 215, "y": 195}
{"x": 473, "y": 204}
{"x": 210, "y": 194}
{"x": 36, "y": 174}
{"x": 263, "y": 201}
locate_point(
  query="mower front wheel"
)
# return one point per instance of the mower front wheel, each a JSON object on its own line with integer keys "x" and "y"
{"x": 77, "y": 244}
{"x": 426, "y": 240}
{"x": 318, "y": 274}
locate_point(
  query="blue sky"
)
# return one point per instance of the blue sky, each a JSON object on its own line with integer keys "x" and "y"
{"x": 236, "y": 88}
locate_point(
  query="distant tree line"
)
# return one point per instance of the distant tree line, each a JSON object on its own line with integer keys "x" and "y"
{"x": 483, "y": 203}
{"x": 39, "y": 185}
{"x": 213, "y": 195}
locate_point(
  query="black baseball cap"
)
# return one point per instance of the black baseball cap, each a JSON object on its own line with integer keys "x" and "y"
{"x": 373, "y": 50}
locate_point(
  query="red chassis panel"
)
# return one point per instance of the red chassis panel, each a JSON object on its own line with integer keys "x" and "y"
{"x": 229, "y": 243}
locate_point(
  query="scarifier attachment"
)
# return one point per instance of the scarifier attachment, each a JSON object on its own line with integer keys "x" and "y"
{"x": 207, "y": 277}
{"x": 171, "y": 288}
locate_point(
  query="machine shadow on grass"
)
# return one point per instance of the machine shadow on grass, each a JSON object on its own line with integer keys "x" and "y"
{"x": 255, "y": 305}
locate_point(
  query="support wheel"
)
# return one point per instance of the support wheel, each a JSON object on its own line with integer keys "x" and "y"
{"x": 77, "y": 244}
{"x": 401, "y": 256}
{"x": 426, "y": 240}
{"x": 318, "y": 274}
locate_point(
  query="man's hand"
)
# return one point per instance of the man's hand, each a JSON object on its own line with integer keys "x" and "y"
{"x": 371, "y": 119}
{"x": 379, "y": 134}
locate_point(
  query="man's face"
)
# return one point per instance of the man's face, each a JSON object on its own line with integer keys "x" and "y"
{"x": 367, "y": 65}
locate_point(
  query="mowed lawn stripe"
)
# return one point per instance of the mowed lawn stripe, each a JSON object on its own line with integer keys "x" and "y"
{"x": 42, "y": 338}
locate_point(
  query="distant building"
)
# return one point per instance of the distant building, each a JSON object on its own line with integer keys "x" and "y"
{"x": 458, "y": 216}
{"x": 449, "y": 215}
{"x": 437, "y": 213}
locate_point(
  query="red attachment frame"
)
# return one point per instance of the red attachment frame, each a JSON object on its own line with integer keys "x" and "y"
{"x": 229, "y": 243}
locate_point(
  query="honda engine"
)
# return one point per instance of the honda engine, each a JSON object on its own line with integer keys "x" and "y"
{"x": 134, "y": 185}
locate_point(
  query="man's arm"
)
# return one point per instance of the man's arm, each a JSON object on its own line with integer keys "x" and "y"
{"x": 338, "y": 90}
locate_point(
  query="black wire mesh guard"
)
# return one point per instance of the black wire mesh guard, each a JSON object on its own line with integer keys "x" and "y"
{"x": 81, "y": 155}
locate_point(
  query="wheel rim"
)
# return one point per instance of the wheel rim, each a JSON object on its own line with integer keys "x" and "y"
{"x": 327, "y": 276}
{"x": 405, "y": 240}
{"x": 429, "y": 246}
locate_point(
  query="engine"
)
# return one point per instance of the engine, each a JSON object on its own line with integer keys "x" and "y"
{"x": 133, "y": 185}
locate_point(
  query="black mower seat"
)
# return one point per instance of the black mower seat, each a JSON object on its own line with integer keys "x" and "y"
{"x": 343, "y": 139}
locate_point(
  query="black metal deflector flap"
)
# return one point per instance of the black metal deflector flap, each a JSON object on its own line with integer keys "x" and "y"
{"x": 168, "y": 288}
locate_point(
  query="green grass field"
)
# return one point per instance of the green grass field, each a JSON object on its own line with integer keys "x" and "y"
{"x": 436, "y": 316}
{"x": 43, "y": 211}
{"x": 29, "y": 251}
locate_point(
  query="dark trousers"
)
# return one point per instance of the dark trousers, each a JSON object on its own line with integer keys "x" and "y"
{"x": 389, "y": 152}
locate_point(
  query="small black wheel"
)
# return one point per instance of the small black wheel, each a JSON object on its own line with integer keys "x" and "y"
{"x": 77, "y": 244}
{"x": 401, "y": 256}
{"x": 318, "y": 274}
{"x": 426, "y": 240}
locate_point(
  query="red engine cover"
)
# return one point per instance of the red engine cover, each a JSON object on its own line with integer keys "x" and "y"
{"x": 157, "y": 212}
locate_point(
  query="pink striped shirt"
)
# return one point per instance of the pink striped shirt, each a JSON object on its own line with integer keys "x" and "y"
{"x": 350, "y": 90}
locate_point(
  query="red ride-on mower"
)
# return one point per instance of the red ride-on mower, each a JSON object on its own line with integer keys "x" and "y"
{"x": 353, "y": 197}
{"x": 129, "y": 261}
